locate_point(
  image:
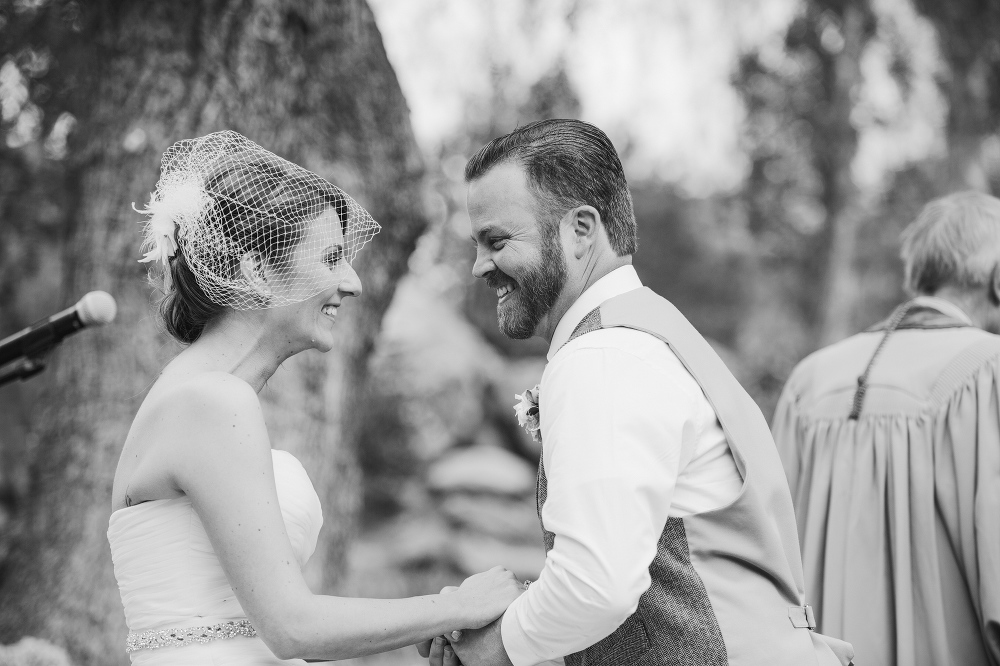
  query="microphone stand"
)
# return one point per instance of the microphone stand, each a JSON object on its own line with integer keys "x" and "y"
{"x": 25, "y": 367}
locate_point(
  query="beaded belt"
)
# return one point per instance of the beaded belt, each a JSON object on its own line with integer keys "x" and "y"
{"x": 154, "y": 639}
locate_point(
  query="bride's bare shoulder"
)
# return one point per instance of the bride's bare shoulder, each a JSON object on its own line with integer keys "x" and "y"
{"x": 202, "y": 406}
{"x": 189, "y": 430}
{"x": 203, "y": 391}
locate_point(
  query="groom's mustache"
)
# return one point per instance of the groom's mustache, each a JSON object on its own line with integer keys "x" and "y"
{"x": 497, "y": 278}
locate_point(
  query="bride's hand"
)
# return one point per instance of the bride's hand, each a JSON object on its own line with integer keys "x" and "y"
{"x": 485, "y": 596}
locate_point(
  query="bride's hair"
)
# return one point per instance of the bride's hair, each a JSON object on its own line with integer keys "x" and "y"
{"x": 222, "y": 199}
{"x": 256, "y": 208}
{"x": 185, "y": 309}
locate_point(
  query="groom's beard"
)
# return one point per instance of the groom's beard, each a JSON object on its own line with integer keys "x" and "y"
{"x": 536, "y": 293}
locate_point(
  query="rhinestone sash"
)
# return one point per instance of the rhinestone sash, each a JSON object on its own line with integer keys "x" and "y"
{"x": 154, "y": 639}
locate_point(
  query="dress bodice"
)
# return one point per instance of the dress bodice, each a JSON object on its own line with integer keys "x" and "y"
{"x": 170, "y": 577}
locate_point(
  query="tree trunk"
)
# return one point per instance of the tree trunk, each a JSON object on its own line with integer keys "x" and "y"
{"x": 309, "y": 81}
{"x": 842, "y": 196}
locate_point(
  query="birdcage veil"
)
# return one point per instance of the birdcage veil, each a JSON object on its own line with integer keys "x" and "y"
{"x": 256, "y": 230}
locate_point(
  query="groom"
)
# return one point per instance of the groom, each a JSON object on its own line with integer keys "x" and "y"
{"x": 666, "y": 516}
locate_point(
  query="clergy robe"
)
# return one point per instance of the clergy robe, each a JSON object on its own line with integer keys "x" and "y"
{"x": 898, "y": 510}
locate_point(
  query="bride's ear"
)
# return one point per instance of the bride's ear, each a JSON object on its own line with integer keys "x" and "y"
{"x": 254, "y": 271}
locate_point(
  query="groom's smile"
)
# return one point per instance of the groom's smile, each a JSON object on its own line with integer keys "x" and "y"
{"x": 503, "y": 284}
{"x": 504, "y": 292}
{"x": 506, "y": 289}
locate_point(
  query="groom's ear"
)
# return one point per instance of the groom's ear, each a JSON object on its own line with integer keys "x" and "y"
{"x": 585, "y": 223}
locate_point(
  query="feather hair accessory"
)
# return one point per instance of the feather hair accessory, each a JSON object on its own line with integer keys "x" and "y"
{"x": 176, "y": 203}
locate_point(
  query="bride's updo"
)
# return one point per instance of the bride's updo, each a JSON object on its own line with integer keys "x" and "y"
{"x": 226, "y": 210}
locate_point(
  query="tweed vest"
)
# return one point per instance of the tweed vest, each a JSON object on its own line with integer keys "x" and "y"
{"x": 726, "y": 585}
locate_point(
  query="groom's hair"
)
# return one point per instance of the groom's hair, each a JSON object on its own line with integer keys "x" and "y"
{"x": 568, "y": 163}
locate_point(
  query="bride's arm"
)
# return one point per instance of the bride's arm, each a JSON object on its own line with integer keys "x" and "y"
{"x": 222, "y": 462}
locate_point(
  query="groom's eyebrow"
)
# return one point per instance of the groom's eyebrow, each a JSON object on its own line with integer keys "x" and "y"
{"x": 485, "y": 232}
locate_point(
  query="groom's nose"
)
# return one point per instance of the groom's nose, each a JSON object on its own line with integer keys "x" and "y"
{"x": 484, "y": 264}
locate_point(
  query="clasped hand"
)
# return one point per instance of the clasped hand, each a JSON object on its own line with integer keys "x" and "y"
{"x": 469, "y": 647}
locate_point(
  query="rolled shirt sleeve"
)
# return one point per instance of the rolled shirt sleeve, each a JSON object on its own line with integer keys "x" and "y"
{"x": 615, "y": 427}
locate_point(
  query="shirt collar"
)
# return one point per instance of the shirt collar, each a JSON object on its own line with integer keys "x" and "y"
{"x": 943, "y": 306}
{"x": 617, "y": 282}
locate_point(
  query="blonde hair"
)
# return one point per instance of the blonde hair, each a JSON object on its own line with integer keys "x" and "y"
{"x": 954, "y": 241}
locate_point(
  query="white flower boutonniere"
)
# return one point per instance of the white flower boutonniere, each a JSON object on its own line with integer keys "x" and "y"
{"x": 527, "y": 413}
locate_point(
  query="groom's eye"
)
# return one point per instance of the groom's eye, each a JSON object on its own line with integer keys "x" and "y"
{"x": 497, "y": 243}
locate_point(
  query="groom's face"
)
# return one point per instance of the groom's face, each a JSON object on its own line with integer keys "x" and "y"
{"x": 517, "y": 253}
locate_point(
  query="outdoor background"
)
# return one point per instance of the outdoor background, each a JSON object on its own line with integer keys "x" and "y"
{"x": 775, "y": 149}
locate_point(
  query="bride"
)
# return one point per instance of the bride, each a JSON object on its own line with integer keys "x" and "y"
{"x": 210, "y": 526}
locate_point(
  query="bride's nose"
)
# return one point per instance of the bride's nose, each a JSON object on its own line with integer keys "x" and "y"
{"x": 351, "y": 284}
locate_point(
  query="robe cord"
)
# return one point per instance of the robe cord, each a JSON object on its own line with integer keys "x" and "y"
{"x": 859, "y": 394}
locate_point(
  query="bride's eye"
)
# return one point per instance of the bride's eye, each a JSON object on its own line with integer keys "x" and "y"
{"x": 333, "y": 256}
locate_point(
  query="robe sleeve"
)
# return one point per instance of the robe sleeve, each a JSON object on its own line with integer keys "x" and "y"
{"x": 967, "y": 471}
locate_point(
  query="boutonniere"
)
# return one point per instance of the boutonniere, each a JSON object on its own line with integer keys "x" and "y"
{"x": 527, "y": 413}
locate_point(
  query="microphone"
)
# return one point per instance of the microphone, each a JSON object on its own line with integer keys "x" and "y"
{"x": 94, "y": 309}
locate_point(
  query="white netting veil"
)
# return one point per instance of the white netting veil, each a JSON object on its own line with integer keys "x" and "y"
{"x": 256, "y": 230}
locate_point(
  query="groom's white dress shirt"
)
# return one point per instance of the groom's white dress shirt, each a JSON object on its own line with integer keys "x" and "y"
{"x": 629, "y": 439}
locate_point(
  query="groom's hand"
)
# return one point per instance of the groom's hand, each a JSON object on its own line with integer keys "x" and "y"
{"x": 442, "y": 654}
{"x": 479, "y": 647}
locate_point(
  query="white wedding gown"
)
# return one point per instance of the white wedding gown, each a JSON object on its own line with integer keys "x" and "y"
{"x": 170, "y": 577}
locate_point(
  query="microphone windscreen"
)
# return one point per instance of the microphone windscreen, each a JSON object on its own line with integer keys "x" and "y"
{"x": 97, "y": 308}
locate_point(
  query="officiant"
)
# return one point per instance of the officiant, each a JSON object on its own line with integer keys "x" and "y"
{"x": 891, "y": 443}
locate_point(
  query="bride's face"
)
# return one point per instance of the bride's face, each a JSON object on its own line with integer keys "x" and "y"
{"x": 319, "y": 258}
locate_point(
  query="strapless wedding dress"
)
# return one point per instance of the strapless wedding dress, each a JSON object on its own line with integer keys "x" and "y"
{"x": 170, "y": 578}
